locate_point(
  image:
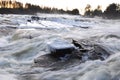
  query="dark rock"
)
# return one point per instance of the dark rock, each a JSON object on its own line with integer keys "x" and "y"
{"x": 30, "y": 37}
{"x": 84, "y": 50}
{"x": 85, "y": 27}
{"x": 77, "y": 44}
{"x": 28, "y": 20}
{"x": 101, "y": 51}
{"x": 36, "y": 18}
{"x": 93, "y": 50}
{"x": 63, "y": 57}
{"x": 97, "y": 51}
{"x": 48, "y": 61}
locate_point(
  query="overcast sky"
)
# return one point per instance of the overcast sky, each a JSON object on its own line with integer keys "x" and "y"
{"x": 70, "y": 4}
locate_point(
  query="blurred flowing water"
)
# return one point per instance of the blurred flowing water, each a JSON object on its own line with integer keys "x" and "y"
{"x": 21, "y": 42}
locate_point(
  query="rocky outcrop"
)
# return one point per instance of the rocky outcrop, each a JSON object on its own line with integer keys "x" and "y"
{"x": 92, "y": 51}
{"x": 64, "y": 57}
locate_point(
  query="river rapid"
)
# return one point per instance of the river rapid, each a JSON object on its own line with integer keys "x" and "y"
{"x": 21, "y": 42}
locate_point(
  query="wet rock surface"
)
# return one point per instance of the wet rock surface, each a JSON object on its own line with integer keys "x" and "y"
{"x": 64, "y": 58}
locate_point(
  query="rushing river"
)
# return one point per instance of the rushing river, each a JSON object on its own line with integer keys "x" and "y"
{"x": 21, "y": 42}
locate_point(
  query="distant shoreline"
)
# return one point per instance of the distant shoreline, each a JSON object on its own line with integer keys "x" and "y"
{"x": 31, "y": 11}
{"x": 14, "y": 7}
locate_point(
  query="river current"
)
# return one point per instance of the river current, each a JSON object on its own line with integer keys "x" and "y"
{"x": 21, "y": 42}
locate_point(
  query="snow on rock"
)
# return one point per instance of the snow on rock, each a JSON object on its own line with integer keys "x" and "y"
{"x": 60, "y": 47}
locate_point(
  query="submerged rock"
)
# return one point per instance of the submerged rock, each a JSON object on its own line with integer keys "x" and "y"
{"x": 63, "y": 55}
{"x": 77, "y": 44}
{"x": 93, "y": 52}
{"x": 101, "y": 52}
{"x": 49, "y": 61}
{"x": 36, "y": 18}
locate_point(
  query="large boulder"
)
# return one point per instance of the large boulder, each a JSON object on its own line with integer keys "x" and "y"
{"x": 48, "y": 61}
{"x": 65, "y": 55}
{"x": 60, "y": 56}
{"x": 92, "y": 51}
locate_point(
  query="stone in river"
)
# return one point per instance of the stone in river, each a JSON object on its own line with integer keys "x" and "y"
{"x": 36, "y": 18}
{"x": 59, "y": 48}
{"x": 64, "y": 55}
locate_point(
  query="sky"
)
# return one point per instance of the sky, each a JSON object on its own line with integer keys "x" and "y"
{"x": 71, "y": 4}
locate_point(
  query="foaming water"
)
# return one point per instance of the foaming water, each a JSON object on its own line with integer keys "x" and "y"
{"x": 19, "y": 47}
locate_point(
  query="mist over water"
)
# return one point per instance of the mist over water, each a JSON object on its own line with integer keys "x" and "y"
{"x": 21, "y": 42}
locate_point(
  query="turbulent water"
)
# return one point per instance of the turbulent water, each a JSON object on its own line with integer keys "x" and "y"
{"x": 21, "y": 42}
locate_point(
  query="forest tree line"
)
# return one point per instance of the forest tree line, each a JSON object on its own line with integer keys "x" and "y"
{"x": 14, "y": 7}
{"x": 112, "y": 11}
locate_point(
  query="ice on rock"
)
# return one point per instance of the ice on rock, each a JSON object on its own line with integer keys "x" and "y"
{"x": 60, "y": 46}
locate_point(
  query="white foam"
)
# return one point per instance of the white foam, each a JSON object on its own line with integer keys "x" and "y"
{"x": 7, "y": 77}
{"x": 3, "y": 41}
{"x": 16, "y": 51}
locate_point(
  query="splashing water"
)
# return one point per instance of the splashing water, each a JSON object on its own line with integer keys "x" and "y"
{"x": 21, "y": 42}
